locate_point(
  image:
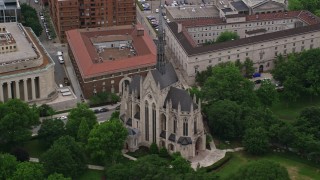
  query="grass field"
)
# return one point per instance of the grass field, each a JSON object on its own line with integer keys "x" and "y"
{"x": 290, "y": 110}
{"x": 34, "y": 148}
{"x": 299, "y": 169}
{"x": 91, "y": 175}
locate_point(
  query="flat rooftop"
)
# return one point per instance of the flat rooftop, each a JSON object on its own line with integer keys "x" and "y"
{"x": 193, "y": 12}
{"x": 93, "y": 62}
{"x": 24, "y": 48}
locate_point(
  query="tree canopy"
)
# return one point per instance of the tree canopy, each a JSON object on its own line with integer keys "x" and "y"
{"x": 28, "y": 170}
{"x": 51, "y": 130}
{"x": 75, "y": 116}
{"x": 227, "y": 36}
{"x": 16, "y": 120}
{"x": 65, "y": 156}
{"x": 106, "y": 140}
{"x": 8, "y": 165}
{"x": 30, "y": 18}
{"x": 255, "y": 140}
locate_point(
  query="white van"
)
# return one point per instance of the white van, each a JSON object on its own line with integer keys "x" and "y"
{"x": 59, "y": 53}
{"x": 61, "y": 60}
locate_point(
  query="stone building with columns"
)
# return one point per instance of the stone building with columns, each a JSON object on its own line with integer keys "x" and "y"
{"x": 104, "y": 59}
{"x": 156, "y": 109}
{"x": 26, "y": 69}
{"x": 262, "y": 38}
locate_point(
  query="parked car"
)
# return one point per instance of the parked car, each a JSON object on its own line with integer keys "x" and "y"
{"x": 61, "y": 60}
{"x": 36, "y": 1}
{"x": 157, "y": 10}
{"x": 257, "y": 81}
{"x": 103, "y": 110}
{"x": 63, "y": 118}
{"x": 66, "y": 81}
{"x": 96, "y": 111}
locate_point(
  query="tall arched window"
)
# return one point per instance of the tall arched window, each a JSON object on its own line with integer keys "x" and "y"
{"x": 195, "y": 126}
{"x": 185, "y": 127}
{"x": 174, "y": 124}
{"x": 147, "y": 121}
{"x": 154, "y": 125}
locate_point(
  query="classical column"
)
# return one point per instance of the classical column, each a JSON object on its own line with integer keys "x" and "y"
{"x": 1, "y": 92}
{"x": 33, "y": 88}
{"x": 17, "y": 89}
{"x": 9, "y": 90}
{"x": 25, "y": 89}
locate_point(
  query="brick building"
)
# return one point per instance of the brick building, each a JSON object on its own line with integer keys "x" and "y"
{"x": 104, "y": 59}
{"x": 73, "y": 14}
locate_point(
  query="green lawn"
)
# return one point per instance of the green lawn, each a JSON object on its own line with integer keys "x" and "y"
{"x": 91, "y": 175}
{"x": 34, "y": 148}
{"x": 290, "y": 110}
{"x": 299, "y": 169}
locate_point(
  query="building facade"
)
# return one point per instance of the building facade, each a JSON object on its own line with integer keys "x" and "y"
{"x": 9, "y": 11}
{"x": 263, "y": 37}
{"x": 73, "y": 14}
{"x": 156, "y": 110}
{"x": 26, "y": 69}
{"x": 104, "y": 59}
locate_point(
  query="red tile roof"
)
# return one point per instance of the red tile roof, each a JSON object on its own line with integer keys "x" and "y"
{"x": 85, "y": 53}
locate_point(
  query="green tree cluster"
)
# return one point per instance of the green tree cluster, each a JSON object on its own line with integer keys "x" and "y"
{"x": 30, "y": 18}
{"x": 310, "y": 5}
{"x": 155, "y": 167}
{"x": 106, "y": 141}
{"x": 299, "y": 74}
{"x": 51, "y": 130}
{"x": 104, "y": 98}
{"x": 65, "y": 156}
{"x": 16, "y": 121}
{"x": 227, "y": 36}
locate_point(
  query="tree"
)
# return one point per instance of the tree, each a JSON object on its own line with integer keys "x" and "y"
{"x": 106, "y": 140}
{"x": 83, "y": 132}
{"x": 181, "y": 165}
{"x": 115, "y": 115}
{"x": 57, "y": 176}
{"x": 262, "y": 170}
{"x": 255, "y": 141}
{"x": 21, "y": 154}
{"x": 267, "y": 93}
{"x": 16, "y": 120}
{"x": 164, "y": 153}
{"x": 75, "y": 116}
{"x": 65, "y": 156}
{"x": 224, "y": 119}
{"x": 8, "y": 164}
{"x": 225, "y": 79}
{"x": 30, "y": 19}
{"x": 51, "y": 130}
{"x": 28, "y": 170}
{"x": 203, "y": 75}
{"x": 248, "y": 68}
{"x": 154, "y": 148}
{"x": 227, "y": 36}
{"x": 45, "y": 110}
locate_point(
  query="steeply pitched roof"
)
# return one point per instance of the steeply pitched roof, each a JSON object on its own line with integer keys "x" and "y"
{"x": 168, "y": 78}
{"x": 172, "y": 137}
{"x": 135, "y": 84}
{"x": 129, "y": 122}
{"x": 163, "y": 134}
{"x": 185, "y": 140}
{"x": 179, "y": 95}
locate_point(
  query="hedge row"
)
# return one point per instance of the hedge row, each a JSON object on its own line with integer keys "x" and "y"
{"x": 219, "y": 163}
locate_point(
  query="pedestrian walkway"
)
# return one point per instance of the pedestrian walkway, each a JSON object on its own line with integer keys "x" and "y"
{"x": 129, "y": 157}
{"x": 209, "y": 157}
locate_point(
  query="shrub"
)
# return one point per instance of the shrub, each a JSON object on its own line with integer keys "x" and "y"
{"x": 154, "y": 148}
{"x": 219, "y": 163}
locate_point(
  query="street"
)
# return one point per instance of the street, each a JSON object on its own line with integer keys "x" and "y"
{"x": 101, "y": 117}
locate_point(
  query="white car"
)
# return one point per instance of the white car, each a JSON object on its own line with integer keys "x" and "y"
{"x": 63, "y": 118}
{"x": 157, "y": 10}
{"x": 36, "y": 1}
{"x": 59, "y": 53}
{"x": 61, "y": 60}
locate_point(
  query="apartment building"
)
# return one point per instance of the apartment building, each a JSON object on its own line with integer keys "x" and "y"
{"x": 74, "y": 14}
{"x": 263, "y": 37}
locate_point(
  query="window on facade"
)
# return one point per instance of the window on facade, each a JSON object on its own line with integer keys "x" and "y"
{"x": 154, "y": 123}
{"x": 294, "y": 44}
{"x": 195, "y": 126}
{"x": 302, "y": 48}
{"x": 247, "y": 54}
{"x": 210, "y": 61}
{"x": 311, "y": 46}
{"x": 228, "y": 57}
{"x": 175, "y": 125}
{"x": 185, "y": 127}
{"x": 293, "y": 50}
{"x": 146, "y": 121}
{"x": 285, "y": 46}
{"x": 219, "y": 59}
{"x": 285, "y": 51}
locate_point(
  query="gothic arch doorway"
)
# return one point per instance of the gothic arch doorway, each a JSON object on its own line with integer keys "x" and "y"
{"x": 124, "y": 83}
{"x": 171, "y": 147}
{"x": 198, "y": 145}
{"x": 260, "y": 68}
